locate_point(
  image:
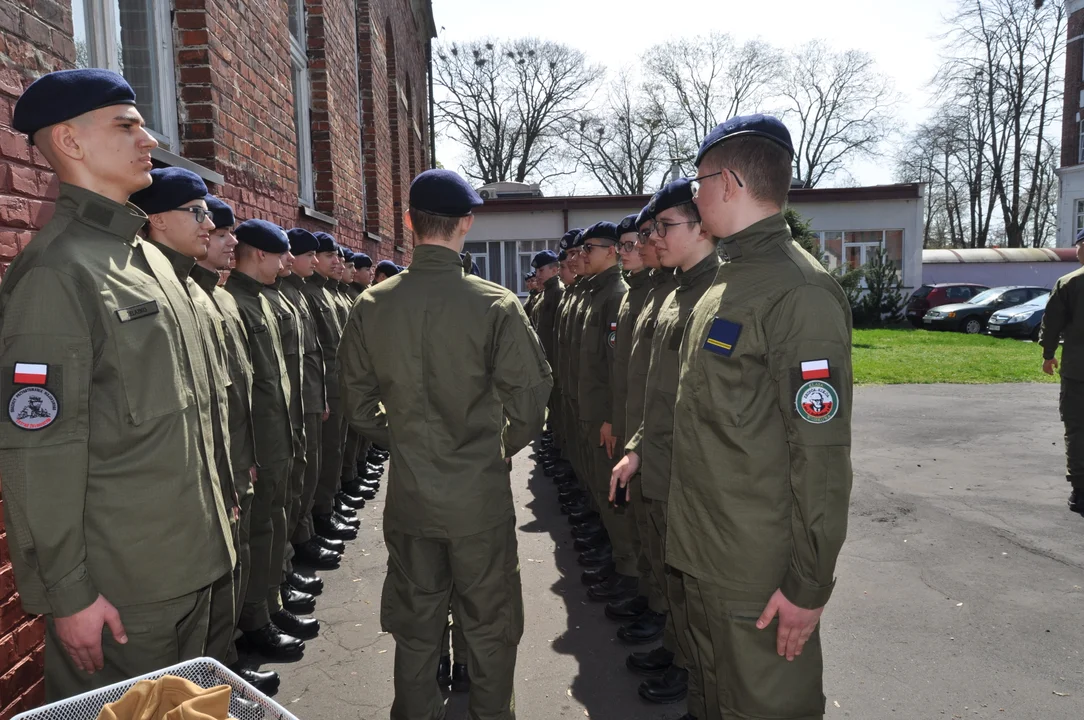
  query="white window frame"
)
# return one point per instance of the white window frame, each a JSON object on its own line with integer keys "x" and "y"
{"x": 1080, "y": 142}
{"x": 299, "y": 65}
{"x": 1078, "y": 206}
{"x": 102, "y": 24}
{"x": 865, "y": 246}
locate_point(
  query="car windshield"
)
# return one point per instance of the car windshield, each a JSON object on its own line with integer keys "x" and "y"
{"x": 922, "y": 293}
{"x": 985, "y": 297}
{"x": 1035, "y": 303}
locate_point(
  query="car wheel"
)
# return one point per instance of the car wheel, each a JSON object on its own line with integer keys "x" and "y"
{"x": 916, "y": 322}
{"x": 973, "y": 326}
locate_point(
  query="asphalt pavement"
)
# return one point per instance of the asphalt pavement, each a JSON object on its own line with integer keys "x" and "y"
{"x": 960, "y": 589}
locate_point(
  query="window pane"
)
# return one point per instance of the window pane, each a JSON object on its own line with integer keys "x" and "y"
{"x": 894, "y": 246}
{"x": 854, "y": 256}
{"x": 296, "y": 20}
{"x": 138, "y": 57}
{"x": 833, "y": 247}
{"x": 81, "y": 33}
{"x": 524, "y": 268}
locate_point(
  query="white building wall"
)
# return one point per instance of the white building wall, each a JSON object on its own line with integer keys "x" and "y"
{"x": 1072, "y": 192}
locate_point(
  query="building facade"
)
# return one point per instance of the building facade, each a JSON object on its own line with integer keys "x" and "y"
{"x": 1071, "y": 172}
{"x": 311, "y": 113}
{"x": 851, "y": 224}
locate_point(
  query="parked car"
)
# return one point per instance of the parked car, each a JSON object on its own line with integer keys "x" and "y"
{"x": 1022, "y": 321}
{"x": 971, "y": 317}
{"x": 927, "y": 297}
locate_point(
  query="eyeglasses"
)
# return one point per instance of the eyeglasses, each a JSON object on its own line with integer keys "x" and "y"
{"x": 591, "y": 246}
{"x": 200, "y": 213}
{"x": 627, "y": 246}
{"x": 659, "y": 228}
{"x": 695, "y": 182}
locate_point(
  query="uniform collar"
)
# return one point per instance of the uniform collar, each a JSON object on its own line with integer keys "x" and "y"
{"x": 316, "y": 279}
{"x": 597, "y": 282}
{"x": 661, "y": 276}
{"x": 709, "y": 264}
{"x": 182, "y": 264}
{"x": 246, "y": 282}
{"x": 637, "y": 279}
{"x": 121, "y": 221}
{"x": 551, "y": 283}
{"x": 359, "y": 287}
{"x": 295, "y": 280}
{"x": 277, "y": 285}
{"x": 760, "y": 237}
{"x": 435, "y": 258}
{"x": 206, "y": 279}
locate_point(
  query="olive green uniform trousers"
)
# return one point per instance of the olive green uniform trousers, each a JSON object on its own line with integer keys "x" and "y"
{"x": 617, "y": 521}
{"x": 267, "y": 544}
{"x": 479, "y": 576}
{"x": 159, "y": 635}
{"x": 314, "y": 436}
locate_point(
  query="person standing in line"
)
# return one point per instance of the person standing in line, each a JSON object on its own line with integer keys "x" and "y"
{"x": 443, "y": 368}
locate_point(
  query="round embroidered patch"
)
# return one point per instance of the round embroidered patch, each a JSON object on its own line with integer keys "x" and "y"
{"x": 817, "y": 402}
{"x": 612, "y": 339}
{"x": 32, "y": 408}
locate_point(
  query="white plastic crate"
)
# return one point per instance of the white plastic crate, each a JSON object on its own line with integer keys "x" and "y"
{"x": 205, "y": 672}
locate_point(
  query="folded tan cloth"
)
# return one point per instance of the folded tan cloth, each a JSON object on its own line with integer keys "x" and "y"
{"x": 170, "y": 698}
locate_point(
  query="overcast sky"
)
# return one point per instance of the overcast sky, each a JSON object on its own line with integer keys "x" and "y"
{"x": 902, "y": 37}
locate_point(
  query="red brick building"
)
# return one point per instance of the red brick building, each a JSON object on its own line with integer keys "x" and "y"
{"x": 310, "y": 113}
{"x": 1071, "y": 171}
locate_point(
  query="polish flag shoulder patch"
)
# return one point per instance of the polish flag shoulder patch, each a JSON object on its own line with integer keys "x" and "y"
{"x": 31, "y": 373}
{"x": 815, "y": 370}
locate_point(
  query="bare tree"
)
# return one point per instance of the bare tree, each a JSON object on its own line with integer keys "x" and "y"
{"x": 1002, "y": 68}
{"x": 510, "y": 103}
{"x": 841, "y": 105}
{"x": 707, "y": 79}
{"x": 621, "y": 142}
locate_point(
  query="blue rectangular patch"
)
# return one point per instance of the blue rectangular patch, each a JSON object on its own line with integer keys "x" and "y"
{"x": 722, "y": 337}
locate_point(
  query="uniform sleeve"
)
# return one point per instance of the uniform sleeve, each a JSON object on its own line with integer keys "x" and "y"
{"x": 619, "y": 370}
{"x": 636, "y": 444}
{"x": 45, "y": 470}
{"x": 1055, "y": 319}
{"x": 807, "y": 331}
{"x": 609, "y": 340}
{"x": 358, "y": 383}
{"x": 521, "y": 376}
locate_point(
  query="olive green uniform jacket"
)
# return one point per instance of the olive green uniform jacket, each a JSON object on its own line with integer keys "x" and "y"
{"x": 762, "y": 434}
{"x": 133, "y": 510}
{"x": 1064, "y": 319}
{"x": 631, "y": 306}
{"x": 598, "y": 339}
{"x": 455, "y": 363}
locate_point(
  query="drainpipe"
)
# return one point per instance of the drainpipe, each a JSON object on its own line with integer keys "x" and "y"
{"x": 361, "y": 127}
{"x": 432, "y": 106}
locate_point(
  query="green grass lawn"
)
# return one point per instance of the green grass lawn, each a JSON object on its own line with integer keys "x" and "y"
{"x": 891, "y": 357}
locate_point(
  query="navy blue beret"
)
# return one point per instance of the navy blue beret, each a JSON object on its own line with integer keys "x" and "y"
{"x": 169, "y": 189}
{"x": 387, "y": 267}
{"x": 221, "y": 213}
{"x": 529, "y": 276}
{"x": 648, "y": 213}
{"x": 444, "y": 193}
{"x": 673, "y": 194}
{"x": 326, "y": 242}
{"x": 263, "y": 235}
{"x": 757, "y": 125}
{"x": 361, "y": 261}
{"x": 544, "y": 258}
{"x": 628, "y": 224}
{"x": 568, "y": 240}
{"x": 400, "y": 268}
{"x": 348, "y": 255}
{"x": 302, "y": 241}
{"x": 562, "y": 256}
{"x": 66, "y": 94}
{"x": 1080, "y": 236}
{"x": 604, "y": 230}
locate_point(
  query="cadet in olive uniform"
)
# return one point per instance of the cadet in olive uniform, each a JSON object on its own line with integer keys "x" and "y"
{"x": 533, "y": 296}
{"x": 291, "y": 335}
{"x": 546, "y": 267}
{"x": 1064, "y": 320}
{"x": 646, "y": 626}
{"x": 681, "y": 242}
{"x": 239, "y": 397}
{"x": 266, "y": 626}
{"x": 384, "y": 270}
{"x": 444, "y": 369}
{"x": 179, "y": 225}
{"x": 308, "y": 547}
{"x": 595, "y": 363}
{"x": 124, "y": 526}
{"x": 558, "y": 411}
{"x": 637, "y": 277}
{"x": 762, "y": 439}
{"x": 326, "y": 522}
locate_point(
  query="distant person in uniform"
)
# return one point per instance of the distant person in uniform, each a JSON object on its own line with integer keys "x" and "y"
{"x": 112, "y": 505}
{"x": 1064, "y": 321}
{"x": 443, "y": 369}
{"x": 384, "y": 270}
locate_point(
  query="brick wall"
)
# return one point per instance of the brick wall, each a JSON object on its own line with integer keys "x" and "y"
{"x": 1074, "y": 83}
{"x": 235, "y": 112}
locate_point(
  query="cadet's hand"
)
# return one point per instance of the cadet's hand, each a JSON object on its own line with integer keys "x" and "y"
{"x": 625, "y": 468}
{"x": 81, "y": 633}
{"x": 606, "y": 438}
{"x": 795, "y": 624}
{"x": 1049, "y": 366}
{"x": 327, "y": 411}
{"x": 252, "y": 474}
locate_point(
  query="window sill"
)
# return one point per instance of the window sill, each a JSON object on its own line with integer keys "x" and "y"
{"x": 315, "y": 215}
{"x": 374, "y": 237}
{"x": 167, "y": 158}
{"x": 400, "y": 248}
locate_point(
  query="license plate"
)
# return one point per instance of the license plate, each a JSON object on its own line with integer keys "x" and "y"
{"x": 994, "y": 328}
{"x": 927, "y": 320}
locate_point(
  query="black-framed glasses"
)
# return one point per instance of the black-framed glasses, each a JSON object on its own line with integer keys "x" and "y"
{"x": 659, "y": 228}
{"x": 695, "y": 182}
{"x": 200, "y": 213}
{"x": 627, "y": 246}
{"x": 588, "y": 247}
